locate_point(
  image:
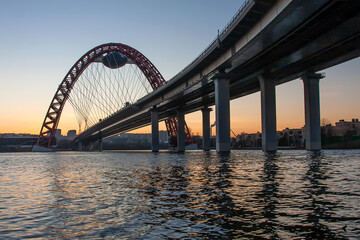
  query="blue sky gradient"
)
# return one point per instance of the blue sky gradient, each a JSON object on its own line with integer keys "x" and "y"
{"x": 40, "y": 40}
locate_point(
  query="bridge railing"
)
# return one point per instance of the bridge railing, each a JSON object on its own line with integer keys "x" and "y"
{"x": 215, "y": 41}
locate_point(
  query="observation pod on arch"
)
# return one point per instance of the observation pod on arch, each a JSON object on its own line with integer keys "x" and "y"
{"x": 111, "y": 55}
{"x": 115, "y": 60}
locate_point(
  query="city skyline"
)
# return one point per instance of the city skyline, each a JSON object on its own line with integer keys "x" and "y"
{"x": 46, "y": 39}
{"x": 74, "y": 132}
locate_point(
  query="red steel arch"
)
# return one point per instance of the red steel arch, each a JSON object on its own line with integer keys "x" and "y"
{"x": 52, "y": 117}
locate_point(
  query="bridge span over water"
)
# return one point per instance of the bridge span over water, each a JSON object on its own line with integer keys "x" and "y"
{"x": 267, "y": 43}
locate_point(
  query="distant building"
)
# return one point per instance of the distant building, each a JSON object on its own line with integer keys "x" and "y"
{"x": 58, "y": 133}
{"x": 135, "y": 141}
{"x": 144, "y": 137}
{"x": 286, "y": 137}
{"x": 342, "y": 128}
{"x": 290, "y": 137}
{"x": 10, "y": 142}
{"x": 343, "y": 135}
{"x": 163, "y": 137}
{"x": 71, "y": 135}
{"x": 249, "y": 140}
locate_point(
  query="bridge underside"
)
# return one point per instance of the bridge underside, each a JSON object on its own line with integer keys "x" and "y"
{"x": 303, "y": 38}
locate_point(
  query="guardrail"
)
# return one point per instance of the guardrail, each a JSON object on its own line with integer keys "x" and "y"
{"x": 215, "y": 41}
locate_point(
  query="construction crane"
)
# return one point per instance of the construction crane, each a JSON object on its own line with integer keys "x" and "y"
{"x": 211, "y": 127}
{"x": 214, "y": 124}
{"x": 233, "y": 133}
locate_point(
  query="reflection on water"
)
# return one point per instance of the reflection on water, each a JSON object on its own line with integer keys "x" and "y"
{"x": 196, "y": 195}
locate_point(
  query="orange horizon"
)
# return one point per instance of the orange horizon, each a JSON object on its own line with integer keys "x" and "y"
{"x": 193, "y": 120}
{"x": 245, "y": 112}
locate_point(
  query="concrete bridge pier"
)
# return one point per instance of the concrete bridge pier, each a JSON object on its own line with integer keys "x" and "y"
{"x": 100, "y": 145}
{"x": 80, "y": 146}
{"x": 268, "y": 114}
{"x": 222, "y": 111}
{"x": 154, "y": 130}
{"x": 312, "y": 111}
{"x": 100, "y": 141}
{"x": 206, "y": 128}
{"x": 181, "y": 131}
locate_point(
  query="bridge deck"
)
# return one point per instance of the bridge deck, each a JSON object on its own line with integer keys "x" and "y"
{"x": 303, "y": 37}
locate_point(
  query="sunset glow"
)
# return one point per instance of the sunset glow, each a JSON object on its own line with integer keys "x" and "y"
{"x": 48, "y": 54}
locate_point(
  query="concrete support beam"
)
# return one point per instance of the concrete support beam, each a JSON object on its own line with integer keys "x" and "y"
{"x": 100, "y": 141}
{"x": 312, "y": 111}
{"x": 154, "y": 130}
{"x": 181, "y": 131}
{"x": 206, "y": 128}
{"x": 268, "y": 114}
{"x": 222, "y": 103}
{"x": 100, "y": 145}
{"x": 80, "y": 146}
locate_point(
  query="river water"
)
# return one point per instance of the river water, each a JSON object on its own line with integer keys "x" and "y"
{"x": 196, "y": 195}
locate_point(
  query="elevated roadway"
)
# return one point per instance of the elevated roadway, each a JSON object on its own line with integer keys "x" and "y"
{"x": 267, "y": 43}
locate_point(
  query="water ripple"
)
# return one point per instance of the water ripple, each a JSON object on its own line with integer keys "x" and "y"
{"x": 196, "y": 195}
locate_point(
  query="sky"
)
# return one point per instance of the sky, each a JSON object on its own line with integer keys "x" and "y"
{"x": 40, "y": 41}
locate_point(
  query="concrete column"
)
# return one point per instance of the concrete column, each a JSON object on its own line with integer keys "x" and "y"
{"x": 154, "y": 130}
{"x": 80, "y": 146}
{"x": 268, "y": 114}
{"x": 312, "y": 111}
{"x": 181, "y": 131}
{"x": 100, "y": 141}
{"x": 206, "y": 128}
{"x": 100, "y": 145}
{"x": 222, "y": 111}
